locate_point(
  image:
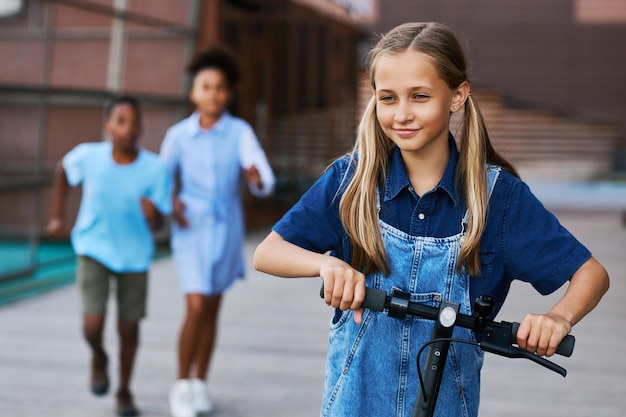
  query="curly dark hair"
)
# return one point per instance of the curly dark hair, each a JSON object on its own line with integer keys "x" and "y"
{"x": 218, "y": 57}
{"x": 117, "y": 100}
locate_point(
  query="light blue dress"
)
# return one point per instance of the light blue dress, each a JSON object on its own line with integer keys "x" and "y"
{"x": 209, "y": 253}
{"x": 111, "y": 227}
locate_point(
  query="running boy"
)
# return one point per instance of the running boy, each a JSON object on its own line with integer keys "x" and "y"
{"x": 125, "y": 192}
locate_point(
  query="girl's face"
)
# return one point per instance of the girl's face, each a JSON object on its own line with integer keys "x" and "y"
{"x": 210, "y": 92}
{"x": 413, "y": 103}
{"x": 123, "y": 127}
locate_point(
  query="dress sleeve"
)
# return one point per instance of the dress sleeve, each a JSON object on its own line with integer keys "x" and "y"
{"x": 537, "y": 248}
{"x": 251, "y": 153}
{"x": 74, "y": 164}
{"x": 169, "y": 152}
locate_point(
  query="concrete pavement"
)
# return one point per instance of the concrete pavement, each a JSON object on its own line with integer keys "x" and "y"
{"x": 269, "y": 359}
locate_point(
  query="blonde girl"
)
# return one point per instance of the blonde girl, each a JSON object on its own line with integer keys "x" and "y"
{"x": 406, "y": 209}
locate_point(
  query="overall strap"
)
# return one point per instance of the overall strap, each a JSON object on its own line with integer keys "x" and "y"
{"x": 493, "y": 172}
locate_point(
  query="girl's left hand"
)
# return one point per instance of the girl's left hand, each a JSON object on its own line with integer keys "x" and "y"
{"x": 252, "y": 176}
{"x": 542, "y": 333}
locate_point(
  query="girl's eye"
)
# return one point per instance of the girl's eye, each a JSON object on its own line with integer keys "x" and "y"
{"x": 420, "y": 97}
{"x": 386, "y": 98}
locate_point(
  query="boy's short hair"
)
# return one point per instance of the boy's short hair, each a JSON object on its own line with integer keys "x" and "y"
{"x": 123, "y": 99}
{"x": 219, "y": 57}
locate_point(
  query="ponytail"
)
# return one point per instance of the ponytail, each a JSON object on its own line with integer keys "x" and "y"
{"x": 476, "y": 152}
{"x": 358, "y": 206}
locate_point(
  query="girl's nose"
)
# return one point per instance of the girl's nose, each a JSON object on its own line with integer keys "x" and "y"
{"x": 403, "y": 114}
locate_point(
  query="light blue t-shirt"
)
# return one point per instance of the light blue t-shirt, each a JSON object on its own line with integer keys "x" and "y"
{"x": 111, "y": 227}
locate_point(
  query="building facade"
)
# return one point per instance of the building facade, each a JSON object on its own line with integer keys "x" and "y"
{"x": 563, "y": 59}
{"x": 62, "y": 59}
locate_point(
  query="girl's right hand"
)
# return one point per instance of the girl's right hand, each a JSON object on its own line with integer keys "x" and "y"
{"x": 344, "y": 286}
{"x": 179, "y": 213}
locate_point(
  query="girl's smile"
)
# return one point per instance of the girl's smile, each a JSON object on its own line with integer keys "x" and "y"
{"x": 405, "y": 133}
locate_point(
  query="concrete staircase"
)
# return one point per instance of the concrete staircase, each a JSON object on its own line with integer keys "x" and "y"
{"x": 544, "y": 145}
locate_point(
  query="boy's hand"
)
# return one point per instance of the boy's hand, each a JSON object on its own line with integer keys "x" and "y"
{"x": 153, "y": 216}
{"x": 252, "y": 176}
{"x": 148, "y": 208}
{"x": 56, "y": 228}
{"x": 179, "y": 213}
{"x": 344, "y": 287}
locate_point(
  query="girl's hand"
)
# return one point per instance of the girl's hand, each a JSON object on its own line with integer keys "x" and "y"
{"x": 542, "y": 333}
{"x": 252, "y": 176}
{"x": 56, "y": 228}
{"x": 179, "y": 213}
{"x": 344, "y": 287}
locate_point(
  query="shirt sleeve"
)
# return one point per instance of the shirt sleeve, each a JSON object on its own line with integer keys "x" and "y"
{"x": 74, "y": 164}
{"x": 313, "y": 223}
{"x": 161, "y": 191}
{"x": 251, "y": 153}
{"x": 538, "y": 249}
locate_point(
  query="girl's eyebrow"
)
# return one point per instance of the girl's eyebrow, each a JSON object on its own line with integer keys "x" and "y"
{"x": 420, "y": 87}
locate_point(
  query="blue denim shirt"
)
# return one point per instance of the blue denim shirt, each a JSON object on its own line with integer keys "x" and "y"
{"x": 522, "y": 239}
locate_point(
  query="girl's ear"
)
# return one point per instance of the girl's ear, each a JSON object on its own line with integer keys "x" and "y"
{"x": 459, "y": 96}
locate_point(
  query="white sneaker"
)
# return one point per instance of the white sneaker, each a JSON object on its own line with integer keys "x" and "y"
{"x": 201, "y": 402}
{"x": 181, "y": 399}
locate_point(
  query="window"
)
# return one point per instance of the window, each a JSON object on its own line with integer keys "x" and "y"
{"x": 600, "y": 11}
{"x": 10, "y": 8}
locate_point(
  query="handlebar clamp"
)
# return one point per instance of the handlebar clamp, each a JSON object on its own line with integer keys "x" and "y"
{"x": 399, "y": 304}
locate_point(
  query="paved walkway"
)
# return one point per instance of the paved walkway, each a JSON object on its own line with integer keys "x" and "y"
{"x": 269, "y": 360}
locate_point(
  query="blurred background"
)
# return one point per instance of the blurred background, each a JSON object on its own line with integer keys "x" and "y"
{"x": 549, "y": 77}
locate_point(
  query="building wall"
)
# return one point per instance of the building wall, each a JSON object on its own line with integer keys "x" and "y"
{"x": 298, "y": 89}
{"x": 566, "y": 55}
{"x": 66, "y": 60}
{"x": 61, "y": 62}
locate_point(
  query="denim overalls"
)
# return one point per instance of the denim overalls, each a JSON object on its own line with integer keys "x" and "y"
{"x": 371, "y": 368}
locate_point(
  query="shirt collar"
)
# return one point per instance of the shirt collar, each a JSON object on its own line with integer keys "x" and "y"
{"x": 397, "y": 178}
{"x": 219, "y": 127}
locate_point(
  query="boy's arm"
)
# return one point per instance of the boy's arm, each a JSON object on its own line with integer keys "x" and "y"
{"x": 158, "y": 203}
{"x": 153, "y": 215}
{"x": 56, "y": 225}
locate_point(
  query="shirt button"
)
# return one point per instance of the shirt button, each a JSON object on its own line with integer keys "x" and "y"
{"x": 421, "y": 216}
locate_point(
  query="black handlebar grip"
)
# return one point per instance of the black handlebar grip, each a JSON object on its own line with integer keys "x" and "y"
{"x": 374, "y": 299}
{"x": 565, "y": 348}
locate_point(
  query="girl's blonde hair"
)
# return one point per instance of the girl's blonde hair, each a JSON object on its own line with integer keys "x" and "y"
{"x": 358, "y": 205}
